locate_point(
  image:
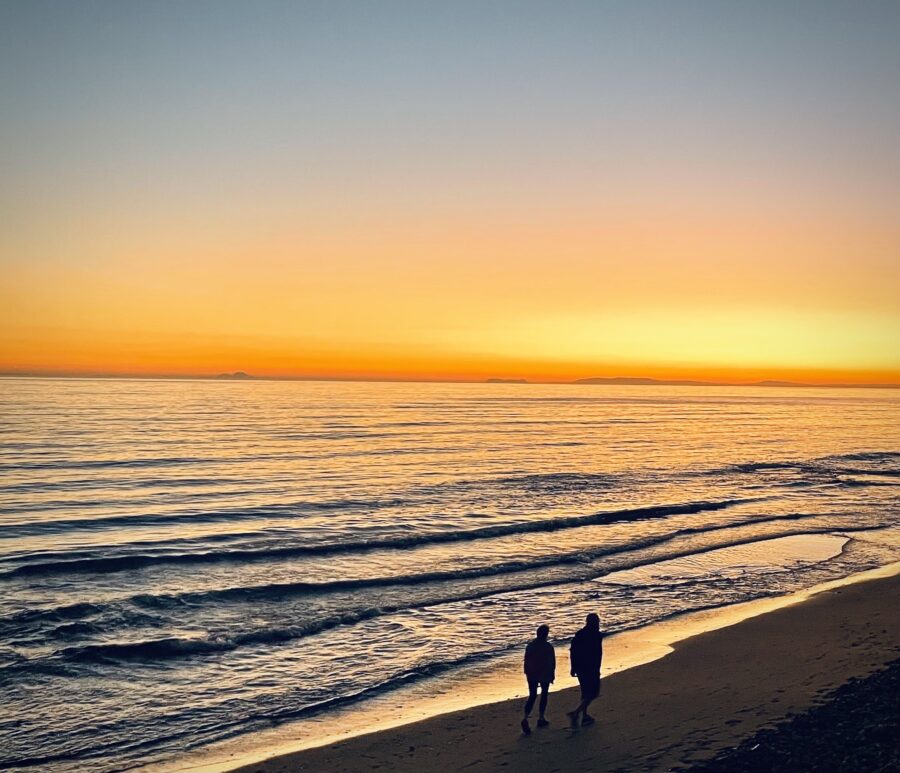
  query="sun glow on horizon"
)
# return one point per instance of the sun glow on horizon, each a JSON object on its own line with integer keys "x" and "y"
{"x": 451, "y": 195}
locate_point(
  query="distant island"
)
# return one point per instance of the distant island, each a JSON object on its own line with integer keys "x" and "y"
{"x": 238, "y": 375}
{"x": 506, "y": 381}
{"x": 624, "y": 381}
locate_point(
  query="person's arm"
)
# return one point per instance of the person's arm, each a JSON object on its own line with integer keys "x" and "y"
{"x": 601, "y": 654}
{"x": 552, "y": 664}
{"x": 573, "y": 656}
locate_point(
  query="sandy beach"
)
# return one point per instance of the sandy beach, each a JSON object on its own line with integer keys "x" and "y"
{"x": 715, "y": 691}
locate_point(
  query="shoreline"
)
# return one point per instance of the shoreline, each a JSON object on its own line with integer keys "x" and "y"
{"x": 373, "y": 724}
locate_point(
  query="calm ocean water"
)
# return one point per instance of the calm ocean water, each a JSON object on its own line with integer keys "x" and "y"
{"x": 183, "y": 561}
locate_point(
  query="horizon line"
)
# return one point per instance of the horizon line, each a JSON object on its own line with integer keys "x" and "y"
{"x": 242, "y": 376}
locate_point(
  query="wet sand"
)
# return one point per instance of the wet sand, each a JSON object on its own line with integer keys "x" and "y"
{"x": 712, "y": 693}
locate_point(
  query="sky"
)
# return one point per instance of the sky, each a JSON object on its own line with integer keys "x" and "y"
{"x": 545, "y": 190}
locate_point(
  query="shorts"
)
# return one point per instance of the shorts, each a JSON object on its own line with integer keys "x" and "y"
{"x": 590, "y": 686}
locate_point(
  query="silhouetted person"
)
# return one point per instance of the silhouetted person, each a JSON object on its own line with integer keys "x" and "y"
{"x": 586, "y": 655}
{"x": 540, "y": 671}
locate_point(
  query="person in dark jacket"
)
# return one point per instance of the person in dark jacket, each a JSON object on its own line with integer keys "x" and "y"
{"x": 586, "y": 655}
{"x": 540, "y": 670}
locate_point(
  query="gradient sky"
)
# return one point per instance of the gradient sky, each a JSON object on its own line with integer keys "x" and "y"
{"x": 451, "y": 190}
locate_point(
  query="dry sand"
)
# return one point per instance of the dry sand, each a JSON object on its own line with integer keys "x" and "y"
{"x": 712, "y": 692}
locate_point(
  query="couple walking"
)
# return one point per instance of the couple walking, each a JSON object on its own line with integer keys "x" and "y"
{"x": 585, "y": 656}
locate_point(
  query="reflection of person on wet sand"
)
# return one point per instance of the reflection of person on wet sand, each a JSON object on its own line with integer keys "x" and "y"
{"x": 586, "y": 655}
{"x": 540, "y": 671}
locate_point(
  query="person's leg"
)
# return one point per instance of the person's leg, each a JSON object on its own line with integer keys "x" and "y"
{"x": 573, "y": 715}
{"x": 532, "y": 697}
{"x": 542, "y": 708}
{"x": 586, "y": 719}
{"x": 592, "y": 691}
{"x": 529, "y": 705}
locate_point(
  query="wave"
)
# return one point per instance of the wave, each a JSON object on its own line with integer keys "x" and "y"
{"x": 177, "y": 647}
{"x": 547, "y": 483}
{"x": 583, "y": 556}
{"x": 105, "y": 564}
{"x": 92, "y": 464}
{"x": 867, "y": 456}
{"x": 554, "y": 482}
{"x": 157, "y": 649}
{"x": 128, "y": 615}
{"x": 131, "y": 482}
{"x": 160, "y": 461}
{"x": 56, "y": 614}
{"x": 200, "y": 516}
{"x": 854, "y": 483}
{"x": 865, "y": 471}
{"x": 174, "y": 647}
{"x": 71, "y": 620}
{"x": 831, "y": 466}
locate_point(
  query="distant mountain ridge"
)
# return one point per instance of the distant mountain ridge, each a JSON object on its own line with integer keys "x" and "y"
{"x": 624, "y": 381}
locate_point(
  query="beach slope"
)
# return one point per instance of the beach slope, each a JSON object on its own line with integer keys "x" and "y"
{"x": 714, "y": 691}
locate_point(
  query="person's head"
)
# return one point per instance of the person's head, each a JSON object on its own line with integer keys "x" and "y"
{"x": 592, "y": 622}
{"x": 543, "y": 632}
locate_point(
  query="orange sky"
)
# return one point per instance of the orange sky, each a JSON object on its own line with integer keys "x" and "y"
{"x": 578, "y": 300}
{"x": 559, "y": 203}
{"x": 696, "y": 294}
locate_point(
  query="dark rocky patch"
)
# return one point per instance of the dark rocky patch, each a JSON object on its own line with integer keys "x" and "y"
{"x": 856, "y": 730}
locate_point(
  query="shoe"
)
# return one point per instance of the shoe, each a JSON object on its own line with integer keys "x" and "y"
{"x": 526, "y": 728}
{"x": 573, "y": 719}
{"x": 587, "y": 720}
{"x": 543, "y": 722}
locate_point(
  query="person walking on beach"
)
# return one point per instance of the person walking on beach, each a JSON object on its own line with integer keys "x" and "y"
{"x": 540, "y": 671}
{"x": 586, "y": 656}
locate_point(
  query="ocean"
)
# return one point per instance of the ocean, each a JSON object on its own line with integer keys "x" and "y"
{"x": 183, "y": 562}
